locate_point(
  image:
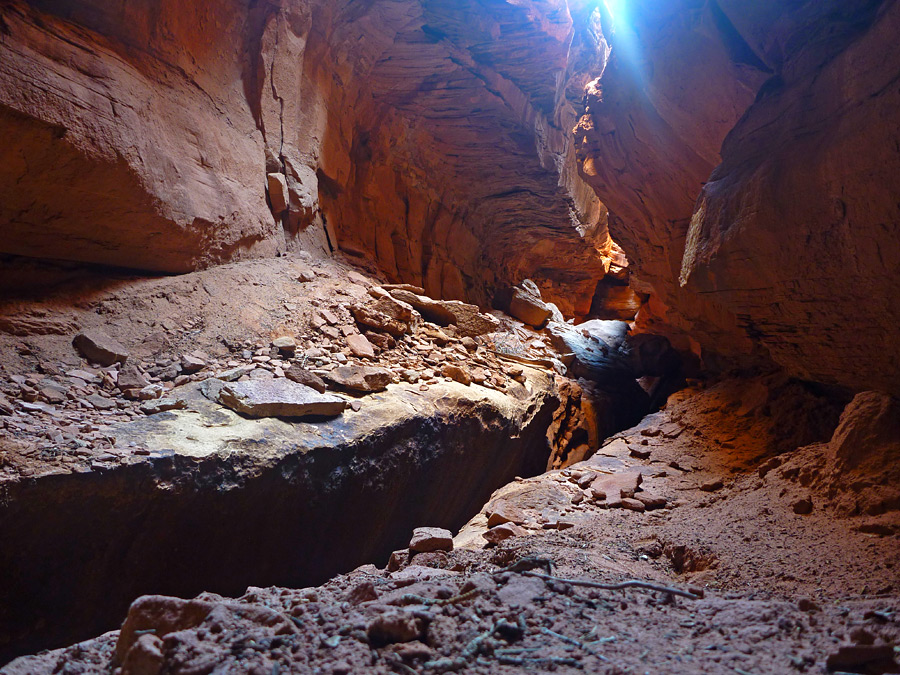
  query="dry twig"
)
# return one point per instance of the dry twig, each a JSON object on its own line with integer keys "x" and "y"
{"x": 615, "y": 587}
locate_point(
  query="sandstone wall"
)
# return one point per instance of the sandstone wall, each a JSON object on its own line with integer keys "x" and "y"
{"x": 789, "y": 256}
{"x": 431, "y": 136}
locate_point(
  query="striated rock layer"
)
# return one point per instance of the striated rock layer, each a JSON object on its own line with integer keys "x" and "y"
{"x": 789, "y": 255}
{"x": 431, "y": 136}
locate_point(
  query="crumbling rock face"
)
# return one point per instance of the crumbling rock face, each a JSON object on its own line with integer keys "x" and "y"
{"x": 430, "y": 136}
{"x": 791, "y": 246}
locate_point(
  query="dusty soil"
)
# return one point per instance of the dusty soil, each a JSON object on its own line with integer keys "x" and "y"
{"x": 777, "y": 557}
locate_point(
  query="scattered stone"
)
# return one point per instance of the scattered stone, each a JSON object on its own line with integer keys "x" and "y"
{"x": 807, "y": 605}
{"x": 162, "y": 405}
{"x": 856, "y": 657}
{"x": 526, "y": 304}
{"x": 364, "y": 592}
{"x": 501, "y": 511}
{"x": 285, "y": 344}
{"x": 234, "y": 373}
{"x": 131, "y": 378}
{"x": 393, "y": 626}
{"x": 355, "y": 406}
{"x": 150, "y": 392}
{"x": 328, "y": 316}
{"x": 469, "y": 343}
{"x": 331, "y": 332}
{"x": 85, "y": 375}
{"x": 803, "y": 507}
{"x": 397, "y": 560}
{"x": 633, "y": 504}
{"x": 97, "y": 347}
{"x": 6, "y": 406}
{"x": 712, "y": 485}
{"x": 100, "y": 402}
{"x": 650, "y": 501}
{"x": 364, "y": 379}
{"x": 640, "y": 451}
{"x": 306, "y": 276}
{"x": 457, "y": 373}
{"x": 503, "y": 532}
{"x": 387, "y": 315}
{"x": 360, "y": 346}
{"x": 380, "y": 340}
{"x": 615, "y": 487}
{"x": 145, "y": 656}
{"x": 191, "y": 364}
{"x": 418, "y": 290}
{"x": 279, "y": 398}
{"x": 467, "y": 318}
{"x": 427, "y": 539}
{"x": 211, "y": 387}
{"x": 305, "y": 377}
{"x": 671, "y": 430}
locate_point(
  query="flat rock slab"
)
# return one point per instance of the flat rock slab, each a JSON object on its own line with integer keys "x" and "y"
{"x": 279, "y": 398}
{"x": 97, "y": 347}
{"x": 363, "y": 379}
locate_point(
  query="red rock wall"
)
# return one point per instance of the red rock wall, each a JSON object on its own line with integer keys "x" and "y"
{"x": 790, "y": 255}
{"x": 430, "y": 135}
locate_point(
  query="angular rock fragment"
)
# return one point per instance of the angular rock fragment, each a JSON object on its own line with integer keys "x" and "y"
{"x": 501, "y": 511}
{"x": 616, "y": 487}
{"x": 527, "y": 306}
{"x": 279, "y": 398}
{"x": 387, "y": 314}
{"x": 503, "y": 532}
{"x": 368, "y": 317}
{"x": 130, "y": 378}
{"x": 285, "y": 344}
{"x": 393, "y": 626}
{"x": 457, "y": 373}
{"x": 857, "y": 657}
{"x": 427, "y": 539}
{"x": 363, "y": 379}
{"x": 101, "y": 402}
{"x": 277, "y": 187}
{"x": 97, "y": 347}
{"x": 633, "y": 504}
{"x": 467, "y": 318}
{"x": 303, "y": 376}
{"x": 162, "y": 405}
{"x": 650, "y": 501}
{"x": 360, "y": 346}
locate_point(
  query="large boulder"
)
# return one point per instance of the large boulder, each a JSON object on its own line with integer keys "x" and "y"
{"x": 527, "y": 306}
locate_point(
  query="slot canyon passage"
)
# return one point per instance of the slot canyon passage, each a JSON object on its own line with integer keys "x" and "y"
{"x": 431, "y": 336}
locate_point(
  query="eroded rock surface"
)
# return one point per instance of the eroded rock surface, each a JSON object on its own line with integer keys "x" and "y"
{"x": 789, "y": 255}
{"x": 430, "y": 137}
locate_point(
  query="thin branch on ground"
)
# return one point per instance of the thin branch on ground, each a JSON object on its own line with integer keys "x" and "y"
{"x": 614, "y": 587}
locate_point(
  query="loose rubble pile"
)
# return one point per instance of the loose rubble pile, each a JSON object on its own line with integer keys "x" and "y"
{"x": 64, "y": 416}
{"x": 438, "y": 609}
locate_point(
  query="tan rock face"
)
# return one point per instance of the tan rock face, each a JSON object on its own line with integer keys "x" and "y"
{"x": 789, "y": 255}
{"x": 432, "y": 137}
{"x": 129, "y": 140}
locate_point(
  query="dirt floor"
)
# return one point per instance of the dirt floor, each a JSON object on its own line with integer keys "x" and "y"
{"x": 759, "y": 516}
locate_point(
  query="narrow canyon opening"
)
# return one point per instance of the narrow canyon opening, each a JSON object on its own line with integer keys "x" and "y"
{"x": 476, "y": 336}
